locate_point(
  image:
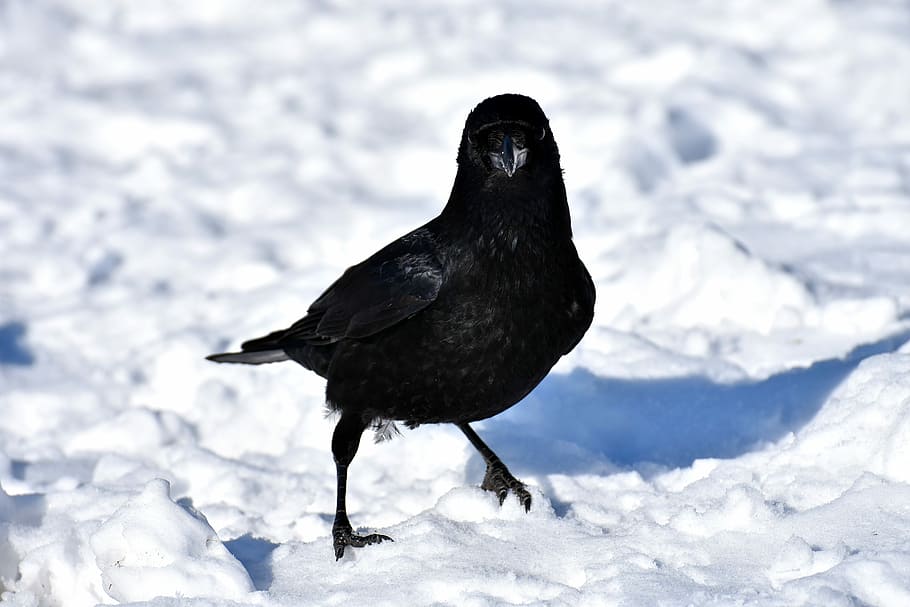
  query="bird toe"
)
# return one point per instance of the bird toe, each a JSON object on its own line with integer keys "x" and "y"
{"x": 500, "y": 481}
{"x": 346, "y": 537}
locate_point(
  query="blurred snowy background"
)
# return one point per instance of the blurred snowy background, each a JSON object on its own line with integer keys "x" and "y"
{"x": 735, "y": 428}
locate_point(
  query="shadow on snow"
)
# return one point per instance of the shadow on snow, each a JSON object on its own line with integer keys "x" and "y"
{"x": 582, "y": 422}
{"x": 12, "y": 350}
{"x": 254, "y": 553}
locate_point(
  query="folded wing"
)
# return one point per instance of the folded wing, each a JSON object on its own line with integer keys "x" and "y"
{"x": 392, "y": 285}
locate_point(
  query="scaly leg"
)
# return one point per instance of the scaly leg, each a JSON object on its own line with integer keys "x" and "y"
{"x": 498, "y": 479}
{"x": 345, "y": 442}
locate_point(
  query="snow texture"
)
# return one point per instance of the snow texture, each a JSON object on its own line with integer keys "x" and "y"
{"x": 152, "y": 546}
{"x": 177, "y": 176}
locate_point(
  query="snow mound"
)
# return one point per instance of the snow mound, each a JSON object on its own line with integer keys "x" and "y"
{"x": 695, "y": 289}
{"x": 700, "y": 276}
{"x": 697, "y": 275}
{"x": 863, "y": 429}
{"x": 46, "y": 558}
{"x": 152, "y": 547}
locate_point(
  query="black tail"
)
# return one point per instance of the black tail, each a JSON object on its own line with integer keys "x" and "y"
{"x": 255, "y": 351}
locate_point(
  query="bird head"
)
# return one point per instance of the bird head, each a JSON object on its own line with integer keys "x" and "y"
{"x": 508, "y": 135}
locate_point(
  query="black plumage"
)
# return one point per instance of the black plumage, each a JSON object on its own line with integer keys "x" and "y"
{"x": 459, "y": 319}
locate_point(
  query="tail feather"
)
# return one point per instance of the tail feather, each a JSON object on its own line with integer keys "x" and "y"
{"x": 250, "y": 358}
{"x": 269, "y": 342}
{"x": 256, "y": 351}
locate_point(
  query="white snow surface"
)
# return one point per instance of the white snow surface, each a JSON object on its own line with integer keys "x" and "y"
{"x": 152, "y": 546}
{"x": 178, "y": 176}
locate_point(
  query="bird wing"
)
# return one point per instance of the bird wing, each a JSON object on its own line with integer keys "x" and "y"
{"x": 392, "y": 285}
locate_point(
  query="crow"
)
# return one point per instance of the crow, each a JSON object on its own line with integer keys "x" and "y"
{"x": 459, "y": 319}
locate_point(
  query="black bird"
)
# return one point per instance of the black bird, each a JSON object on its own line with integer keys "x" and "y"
{"x": 461, "y": 318}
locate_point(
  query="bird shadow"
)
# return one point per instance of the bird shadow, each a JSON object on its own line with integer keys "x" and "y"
{"x": 254, "y": 553}
{"x": 585, "y": 423}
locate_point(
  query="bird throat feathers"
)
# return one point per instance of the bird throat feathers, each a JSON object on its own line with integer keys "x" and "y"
{"x": 504, "y": 218}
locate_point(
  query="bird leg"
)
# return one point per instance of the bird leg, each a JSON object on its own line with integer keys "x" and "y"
{"x": 498, "y": 479}
{"x": 345, "y": 442}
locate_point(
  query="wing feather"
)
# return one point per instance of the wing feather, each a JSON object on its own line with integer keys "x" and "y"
{"x": 392, "y": 285}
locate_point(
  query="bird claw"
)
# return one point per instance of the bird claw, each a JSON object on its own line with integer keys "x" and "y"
{"x": 345, "y": 536}
{"x": 500, "y": 481}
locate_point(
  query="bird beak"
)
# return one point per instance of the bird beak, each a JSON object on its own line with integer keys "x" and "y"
{"x": 510, "y": 157}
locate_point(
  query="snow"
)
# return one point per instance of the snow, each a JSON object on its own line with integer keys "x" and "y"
{"x": 152, "y": 546}
{"x": 178, "y": 176}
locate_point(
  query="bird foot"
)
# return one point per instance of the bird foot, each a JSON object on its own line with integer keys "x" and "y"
{"x": 500, "y": 481}
{"x": 344, "y": 536}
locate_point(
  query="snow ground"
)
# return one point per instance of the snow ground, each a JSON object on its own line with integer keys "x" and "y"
{"x": 734, "y": 430}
